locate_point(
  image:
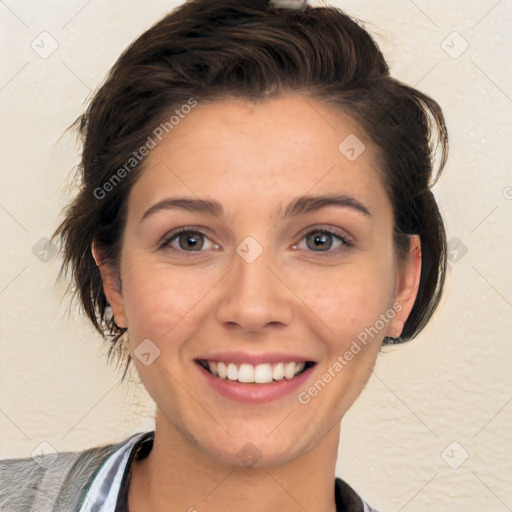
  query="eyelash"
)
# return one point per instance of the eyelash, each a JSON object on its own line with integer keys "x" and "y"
{"x": 166, "y": 243}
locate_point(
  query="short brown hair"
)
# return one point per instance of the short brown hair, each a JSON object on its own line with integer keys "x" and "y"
{"x": 248, "y": 49}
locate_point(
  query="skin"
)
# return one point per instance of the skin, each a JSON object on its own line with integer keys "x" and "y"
{"x": 254, "y": 159}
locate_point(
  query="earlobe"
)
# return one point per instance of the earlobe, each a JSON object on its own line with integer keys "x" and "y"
{"x": 111, "y": 288}
{"x": 406, "y": 286}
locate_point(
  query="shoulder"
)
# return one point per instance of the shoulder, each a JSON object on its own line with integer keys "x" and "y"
{"x": 52, "y": 481}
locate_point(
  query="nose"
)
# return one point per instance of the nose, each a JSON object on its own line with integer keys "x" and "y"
{"x": 255, "y": 296}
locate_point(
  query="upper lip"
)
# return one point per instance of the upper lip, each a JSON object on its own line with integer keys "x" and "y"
{"x": 244, "y": 357}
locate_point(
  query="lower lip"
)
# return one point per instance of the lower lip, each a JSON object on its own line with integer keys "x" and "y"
{"x": 254, "y": 393}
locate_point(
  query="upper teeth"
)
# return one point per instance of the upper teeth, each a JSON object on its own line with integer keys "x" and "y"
{"x": 260, "y": 373}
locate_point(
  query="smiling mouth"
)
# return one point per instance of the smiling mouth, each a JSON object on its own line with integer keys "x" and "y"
{"x": 262, "y": 373}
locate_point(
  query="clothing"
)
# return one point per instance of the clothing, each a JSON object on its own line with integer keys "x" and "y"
{"x": 96, "y": 480}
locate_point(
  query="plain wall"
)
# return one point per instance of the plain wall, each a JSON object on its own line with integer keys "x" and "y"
{"x": 431, "y": 431}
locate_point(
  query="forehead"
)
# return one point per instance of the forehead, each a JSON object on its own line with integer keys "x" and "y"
{"x": 240, "y": 152}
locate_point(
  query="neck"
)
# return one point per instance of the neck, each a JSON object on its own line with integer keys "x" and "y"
{"x": 178, "y": 476}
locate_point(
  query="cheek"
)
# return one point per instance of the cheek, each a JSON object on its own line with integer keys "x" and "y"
{"x": 350, "y": 300}
{"x": 352, "y": 310}
{"x": 346, "y": 299}
{"x": 161, "y": 302}
{"x": 150, "y": 299}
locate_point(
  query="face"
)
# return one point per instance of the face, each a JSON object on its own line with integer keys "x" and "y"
{"x": 253, "y": 287}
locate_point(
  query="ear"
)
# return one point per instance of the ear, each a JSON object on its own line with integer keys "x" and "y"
{"x": 406, "y": 286}
{"x": 111, "y": 287}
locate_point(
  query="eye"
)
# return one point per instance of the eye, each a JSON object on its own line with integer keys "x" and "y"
{"x": 192, "y": 240}
{"x": 188, "y": 240}
{"x": 321, "y": 240}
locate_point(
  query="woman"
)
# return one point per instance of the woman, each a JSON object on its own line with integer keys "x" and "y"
{"x": 255, "y": 220}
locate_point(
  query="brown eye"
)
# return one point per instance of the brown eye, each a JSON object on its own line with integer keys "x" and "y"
{"x": 323, "y": 240}
{"x": 188, "y": 241}
{"x": 319, "y": 240}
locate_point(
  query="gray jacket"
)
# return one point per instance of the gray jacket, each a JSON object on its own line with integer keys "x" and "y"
{"x": 60, "y": 482}
{"x": 50, "y": 483}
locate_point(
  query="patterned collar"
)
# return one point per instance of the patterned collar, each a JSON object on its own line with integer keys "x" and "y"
{"x": 108, "y": 491}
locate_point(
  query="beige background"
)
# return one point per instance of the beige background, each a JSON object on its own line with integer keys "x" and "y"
{"x": 431, "y": 403}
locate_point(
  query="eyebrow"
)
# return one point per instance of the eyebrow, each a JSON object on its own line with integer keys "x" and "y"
{"x": 300, "y": 205}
